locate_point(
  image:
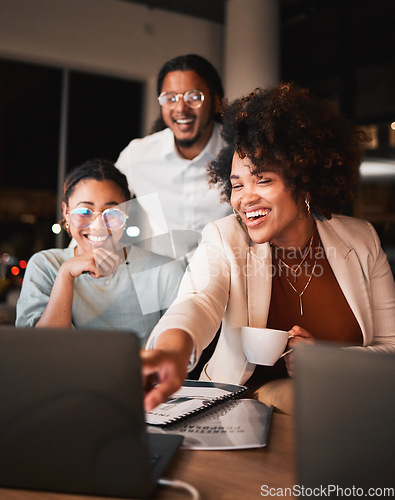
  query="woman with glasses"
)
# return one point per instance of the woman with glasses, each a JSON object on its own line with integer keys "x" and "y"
{"x": 97, "y": 284}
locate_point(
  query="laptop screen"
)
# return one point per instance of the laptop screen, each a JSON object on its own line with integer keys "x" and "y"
{"x": 71, "y": 413}
{"x": 344, "y": 416}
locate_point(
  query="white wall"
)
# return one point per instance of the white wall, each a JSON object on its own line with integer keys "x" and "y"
{"x": 106, "y": 36}
{"x": 252, "y": 47}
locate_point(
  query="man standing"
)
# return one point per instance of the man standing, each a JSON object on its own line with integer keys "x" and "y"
{"x": 172, "y": 162}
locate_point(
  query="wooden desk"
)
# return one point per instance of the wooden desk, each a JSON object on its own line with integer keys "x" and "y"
{"x": 225, "y": 475}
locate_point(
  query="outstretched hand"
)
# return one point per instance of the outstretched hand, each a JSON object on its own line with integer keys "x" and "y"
{"x": 162, "y": 376}
{"x": 165, "y": 368}
{"x": 107, "y": 262}
{"x": 297, "y": 334}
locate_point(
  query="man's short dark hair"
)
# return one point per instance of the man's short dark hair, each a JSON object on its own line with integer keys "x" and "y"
{"x": 193, "y": 62}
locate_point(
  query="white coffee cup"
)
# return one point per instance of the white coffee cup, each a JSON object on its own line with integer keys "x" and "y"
{"x": 264, "y": 346}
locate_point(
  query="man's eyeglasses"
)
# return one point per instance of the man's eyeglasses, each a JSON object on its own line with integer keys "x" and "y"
{"x": 83, "y": 218}
{"x": 192, "y": 98}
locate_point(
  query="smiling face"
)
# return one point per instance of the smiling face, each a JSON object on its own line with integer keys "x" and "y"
{"x": 191, "y": 127}
{"x": 97, "y": 196}
{"x": 268, "y": 208}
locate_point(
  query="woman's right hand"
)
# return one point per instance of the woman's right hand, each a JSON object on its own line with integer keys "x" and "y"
{"x": 162, "y": 376}
{"x": 98, "y": 263}
{"x": 165, "y": 368}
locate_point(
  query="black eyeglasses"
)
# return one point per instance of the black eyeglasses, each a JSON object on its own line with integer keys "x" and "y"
{"x": 83, "y": 218}
{"x": 192, "y": 98}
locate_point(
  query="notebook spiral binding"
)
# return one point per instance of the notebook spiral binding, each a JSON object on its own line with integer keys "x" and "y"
{"x": 214, "y": 403}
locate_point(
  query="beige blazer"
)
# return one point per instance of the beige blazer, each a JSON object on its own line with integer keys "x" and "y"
{"x": 229, "y": 280}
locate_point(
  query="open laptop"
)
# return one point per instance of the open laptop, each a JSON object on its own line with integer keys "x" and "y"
{"x": 344, "y": 418}
{"x": 71, "y": 414}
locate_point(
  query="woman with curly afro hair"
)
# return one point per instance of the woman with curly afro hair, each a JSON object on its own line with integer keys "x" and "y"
{"x": 287, "y": 260}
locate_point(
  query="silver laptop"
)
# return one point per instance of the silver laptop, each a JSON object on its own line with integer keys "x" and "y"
{"x": 344, "y": 417}
{"x": 71, "y": 414}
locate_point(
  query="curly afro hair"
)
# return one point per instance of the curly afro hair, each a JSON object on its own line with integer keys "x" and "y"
{"x": 288, "y": 130}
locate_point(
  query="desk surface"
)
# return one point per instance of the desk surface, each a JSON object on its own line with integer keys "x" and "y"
{"x": 228, "y": 475}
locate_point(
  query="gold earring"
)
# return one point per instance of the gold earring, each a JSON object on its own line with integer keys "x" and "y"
{"x": 67, "y": 226}
{"x": 237, "y": 215}
{"x": 307, "y": 203}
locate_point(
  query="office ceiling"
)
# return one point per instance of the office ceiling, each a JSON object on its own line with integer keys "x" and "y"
{"x": 367, "y": 25}
{"x": 332, "y": 46}
{"x": 212, "y": 10}
{"x": 292, "y": 11}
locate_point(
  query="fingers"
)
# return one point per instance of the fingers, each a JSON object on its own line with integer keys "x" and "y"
{"x": 298, "y": 331}
{"x": 98, "y": 263}
{"x": 162, "y": 376}
{"x": 78, "y": 265}
{"x": 157, "y": 395}
{"x": 297, "y": 335}
{"x": 106, "y": 261}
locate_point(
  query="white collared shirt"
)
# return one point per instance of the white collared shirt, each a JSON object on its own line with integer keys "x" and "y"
{"x": 153, "y": 165}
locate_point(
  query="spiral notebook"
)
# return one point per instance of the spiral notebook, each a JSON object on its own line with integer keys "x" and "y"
{"x": 233, "y": 425}
{"x": 192, "y": 398}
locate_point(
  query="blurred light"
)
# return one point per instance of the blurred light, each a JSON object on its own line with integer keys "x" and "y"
{"x": 56, "y": 228}
{"x": 133, "y": 231}
{"x": 373, "y": 132}
{"x": 5, "y": 257}
{"x": 378, "y": 169}
{"x": 22, "y": 264}
{"x": 15, "y": 270}
{"x": 393, "y": 125}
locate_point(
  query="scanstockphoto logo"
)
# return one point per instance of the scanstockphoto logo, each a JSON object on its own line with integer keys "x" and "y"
{"x": 330, "y": 490}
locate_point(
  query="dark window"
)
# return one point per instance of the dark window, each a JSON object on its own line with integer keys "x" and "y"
{"x": 29, "y": 125}
{"x": 104, "y": 114}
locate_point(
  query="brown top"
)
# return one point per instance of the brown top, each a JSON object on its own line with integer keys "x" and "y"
{"x": 326, "y": 312}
